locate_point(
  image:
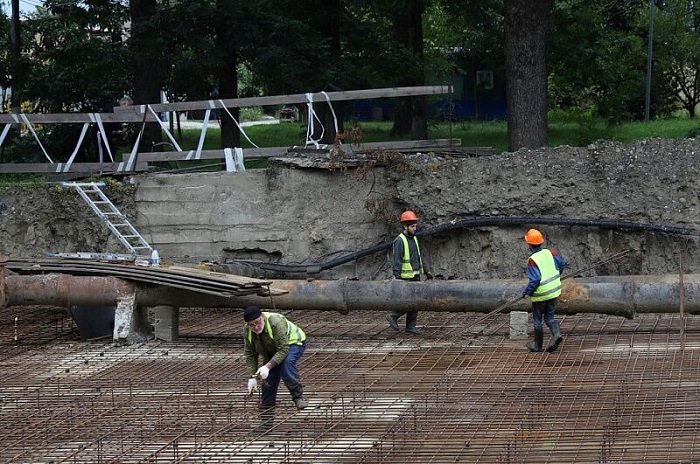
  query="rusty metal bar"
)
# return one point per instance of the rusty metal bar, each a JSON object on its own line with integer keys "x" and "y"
{"x": 618, "y": 391}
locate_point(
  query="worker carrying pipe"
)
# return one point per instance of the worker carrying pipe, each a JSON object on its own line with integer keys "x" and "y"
{"x": 544, "y": 269}
{"x": 408, "y": 265}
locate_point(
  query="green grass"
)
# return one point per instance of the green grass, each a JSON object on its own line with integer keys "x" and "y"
{"x": 562, "y": 131}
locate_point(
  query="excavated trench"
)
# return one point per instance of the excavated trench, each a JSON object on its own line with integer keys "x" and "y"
{"x": 618, "y": 390}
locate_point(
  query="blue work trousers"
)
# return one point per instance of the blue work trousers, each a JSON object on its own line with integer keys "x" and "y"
{"x": 544, "y": 309}
{"x": 287, "y": 371}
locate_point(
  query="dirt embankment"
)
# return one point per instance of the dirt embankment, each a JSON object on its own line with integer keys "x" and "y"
{"x": 652, "y": 182}
{"x": 48, "y": 219}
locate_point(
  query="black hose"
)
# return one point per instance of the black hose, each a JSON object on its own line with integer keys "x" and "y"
{"x": 471, "y": 223}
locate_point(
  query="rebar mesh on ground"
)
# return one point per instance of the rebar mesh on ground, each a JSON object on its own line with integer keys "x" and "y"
{"x": 617, "y": 391}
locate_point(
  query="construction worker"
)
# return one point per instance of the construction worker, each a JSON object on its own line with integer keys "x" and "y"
{"x": 408, "y": 264}
{"x": 544, "y": 287}
{"x": 280, "y": 343}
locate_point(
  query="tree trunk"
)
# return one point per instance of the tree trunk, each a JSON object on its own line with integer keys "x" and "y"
{"x": 526, "y": 28}
{"x": 325, "y": 129}
{"x": 329, "y": 26}
{"x": 147, "y": 64}
{"x": 16, "y": 57}
{"x": 409, "y": 116}
{"x": 227, "y": 72}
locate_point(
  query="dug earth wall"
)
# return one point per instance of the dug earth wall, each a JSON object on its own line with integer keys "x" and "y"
{"x": 311, "y": 218}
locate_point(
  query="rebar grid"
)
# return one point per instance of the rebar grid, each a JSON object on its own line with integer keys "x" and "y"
{"x": 617, "y": 391}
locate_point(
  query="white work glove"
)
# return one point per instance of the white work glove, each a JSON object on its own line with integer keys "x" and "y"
{"x": 263, "y": 372}
{"x": 252, "y": 386}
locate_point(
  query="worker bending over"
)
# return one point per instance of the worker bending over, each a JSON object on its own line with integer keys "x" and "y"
{"x": 280, "y": 343}
{"x": 544, "y": 287}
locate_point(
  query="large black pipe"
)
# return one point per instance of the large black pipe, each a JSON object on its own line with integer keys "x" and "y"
{"x": 622, "y": 295}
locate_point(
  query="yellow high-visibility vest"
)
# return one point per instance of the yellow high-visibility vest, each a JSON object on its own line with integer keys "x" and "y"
{"x": 407, "y": 271}
{"x": 295, "y": 335}
{"x": 550, "y": 282}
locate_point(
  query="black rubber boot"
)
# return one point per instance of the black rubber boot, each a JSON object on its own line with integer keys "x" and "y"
{"x": 536, "y": 345}
{"x": 392, "y": 320}
{"x": 556, "y": 337}
{"x": 297, "y": 392}
{"x": 411, "y": 320}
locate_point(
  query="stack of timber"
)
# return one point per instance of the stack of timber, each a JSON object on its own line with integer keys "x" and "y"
{"x": 195, "y": 280}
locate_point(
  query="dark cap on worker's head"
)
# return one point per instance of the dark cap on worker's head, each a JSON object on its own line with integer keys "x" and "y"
{"x": 251, "y": 313}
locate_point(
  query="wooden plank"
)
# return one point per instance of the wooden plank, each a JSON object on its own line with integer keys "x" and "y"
{"x": 403, "y": 145}
{"x": 135, "y": 113}
{"x": 75, "y": 167}
{"x": 213, "y": 275}
{"x": 204, "y": 281}
{"x": 251, "y": 153}
{"x": 302, "y": 98}
{"x": 158, "y": 156}
{"x": 133, "y": 116}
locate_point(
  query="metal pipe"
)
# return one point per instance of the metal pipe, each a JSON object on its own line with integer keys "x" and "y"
{"x": 621, "y": 295}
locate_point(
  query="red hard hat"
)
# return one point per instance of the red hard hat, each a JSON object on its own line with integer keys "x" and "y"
{"x": 408, "y": 216}
{"x": 534, "y": 237}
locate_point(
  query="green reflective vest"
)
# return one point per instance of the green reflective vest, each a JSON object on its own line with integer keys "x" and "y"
{"x": 407, "y": 271}
{"x": 550, "y": 283}
{"x": 295, "y": 335}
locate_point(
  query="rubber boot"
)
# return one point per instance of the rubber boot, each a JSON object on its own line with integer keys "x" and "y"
{"x": 556, "y": 337}
{"x": 297, "y": 392}
{"x": 536, "y": 345}
{"x": 411, "y": 320}
{"x": 392, "y": 320}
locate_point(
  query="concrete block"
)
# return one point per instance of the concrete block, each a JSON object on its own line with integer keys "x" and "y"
{"x": 518, "y": 324}
{"x": 165, "y": 321}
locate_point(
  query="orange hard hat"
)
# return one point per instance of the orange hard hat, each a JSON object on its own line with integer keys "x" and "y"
{"x": 534, "y": 237}
{"x": 408, "y": 216}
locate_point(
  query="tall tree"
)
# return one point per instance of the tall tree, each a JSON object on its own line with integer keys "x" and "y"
{"x": 77, "y": 42}
{"x": 678, "y": 52}
{"x": 148, "y": 43}
{"x": 407, "y": 31}
{"x": 15, "y": 56}
{"x": 597, "y": 57}
{"x": 526, "y": 29}
{"x": 228, "y": 44}
{"x": 298, "y": 50}
{"x": 328, "y": 24}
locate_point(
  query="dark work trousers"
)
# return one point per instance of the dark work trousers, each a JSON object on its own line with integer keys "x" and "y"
{"x": 543, "y": 309}
{"x": 287, "y": 372}
{"x": 411, "y": 316}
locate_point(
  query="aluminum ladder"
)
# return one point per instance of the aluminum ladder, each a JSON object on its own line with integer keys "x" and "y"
{"x": 115, "y": 220}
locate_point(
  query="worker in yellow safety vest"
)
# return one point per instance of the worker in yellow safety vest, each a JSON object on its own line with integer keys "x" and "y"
{"x": 280, "y": 344}
{"x": 408, "y": 264}
{"x": 544, "y": 287}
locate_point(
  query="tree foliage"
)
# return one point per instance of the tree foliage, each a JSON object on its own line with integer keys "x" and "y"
{"x": 82, "y": 54}
{"x": 677, "y": 52}
{"x": 77, "y": 54}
